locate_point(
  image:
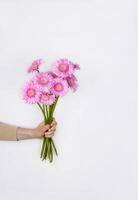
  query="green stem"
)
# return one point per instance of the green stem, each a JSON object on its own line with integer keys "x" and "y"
{"x": 54, "y": 147}
{"x": 52, "y": 109}
{"x": 54, "y": 106}
{"x": 40, "y": 107}
{"x": 47, "y": 152}
{"x": 51, "y": 151}
{"x": 43, "y": 147}
{"x": 46, "y": 149}
{"x": 43, "y": 111}
{"x": 47, "y": 111}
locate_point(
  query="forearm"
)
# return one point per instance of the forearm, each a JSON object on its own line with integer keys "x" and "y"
{"x": 24, "y": 133}
{"x": 14, "y": 133}
{"x": 8, "y": 132}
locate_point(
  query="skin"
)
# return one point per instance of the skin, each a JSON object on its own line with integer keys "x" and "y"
{"x": 41, "y": 130}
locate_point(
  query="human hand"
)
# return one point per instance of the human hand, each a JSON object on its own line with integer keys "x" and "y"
{"x": 44, "y": 130}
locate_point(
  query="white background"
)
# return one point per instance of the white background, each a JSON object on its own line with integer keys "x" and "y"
{"x": 97, "y": 131}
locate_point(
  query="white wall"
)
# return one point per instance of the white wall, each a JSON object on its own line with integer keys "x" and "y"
{"x": 97, "y": 132}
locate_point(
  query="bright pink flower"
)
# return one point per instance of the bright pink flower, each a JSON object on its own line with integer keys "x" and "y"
{"x": 63, "y": 68}
{"x": 46, "y": 98}
{"x": 43, "y": 79}
{"x": 72, "y": 82}
{"x": 31, "y": 93}
{"x": 59, "y": 87}
{"x": 35, "y": 65}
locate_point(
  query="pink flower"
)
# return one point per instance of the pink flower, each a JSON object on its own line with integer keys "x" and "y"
{"x": 43, "y": 79}
{"x": 31, "y": 93}
{"x": 35, "y": 65}
{"x": 46, "y": 98}
{"x": 59, "y": 87}
{"x": 63, "y": 68}
{"x": 72, "y": 82}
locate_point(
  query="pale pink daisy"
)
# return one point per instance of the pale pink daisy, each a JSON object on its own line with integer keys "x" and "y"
{"x": 31, "y": 93}
{"x": 59, "y": 87}
{"x": 72, "y": 82}
{"x": 63, "y": 68}
{"x": 43, "y": 79}
{"x": 35, "y": 65}
{"x": 46, "y": 98}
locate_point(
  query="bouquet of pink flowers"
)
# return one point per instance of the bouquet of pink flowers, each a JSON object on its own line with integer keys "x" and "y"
{"x": 45, "y": 88}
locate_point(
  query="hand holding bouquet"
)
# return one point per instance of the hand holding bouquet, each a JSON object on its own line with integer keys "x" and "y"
{"x": 45, "y": 89}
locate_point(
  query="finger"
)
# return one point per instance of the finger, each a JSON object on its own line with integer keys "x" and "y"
{"x": 46, "y": 128}
{"x": 52, "y": 129}
{"x": 49, "y": 134}
{"x": 53, "y": 123}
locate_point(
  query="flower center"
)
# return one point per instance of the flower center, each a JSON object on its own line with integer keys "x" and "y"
{"x": 31, "y": 92}
{"x": 63, "y": 67}
{"x": 58, "y": 87}
{"x": 46, "y": 97}
{"x": 43, "y": 80}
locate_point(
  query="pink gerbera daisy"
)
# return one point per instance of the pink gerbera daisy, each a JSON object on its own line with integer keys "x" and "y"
{"x": 63, "y": 68}
{"x": 35, "y": 65}
{"x": 72, "y": 82}
{"x": 43, "y": 79}
{"x": 59, "y": 87}
{"x": 31, "y": 93}
{"x": 46, "y": 98}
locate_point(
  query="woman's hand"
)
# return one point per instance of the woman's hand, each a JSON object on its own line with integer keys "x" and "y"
{"x": 44, "y": 130}
{"x": 38, "y": 132}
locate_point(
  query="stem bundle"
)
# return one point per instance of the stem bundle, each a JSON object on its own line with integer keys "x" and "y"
{"x": 48, "y": 146}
